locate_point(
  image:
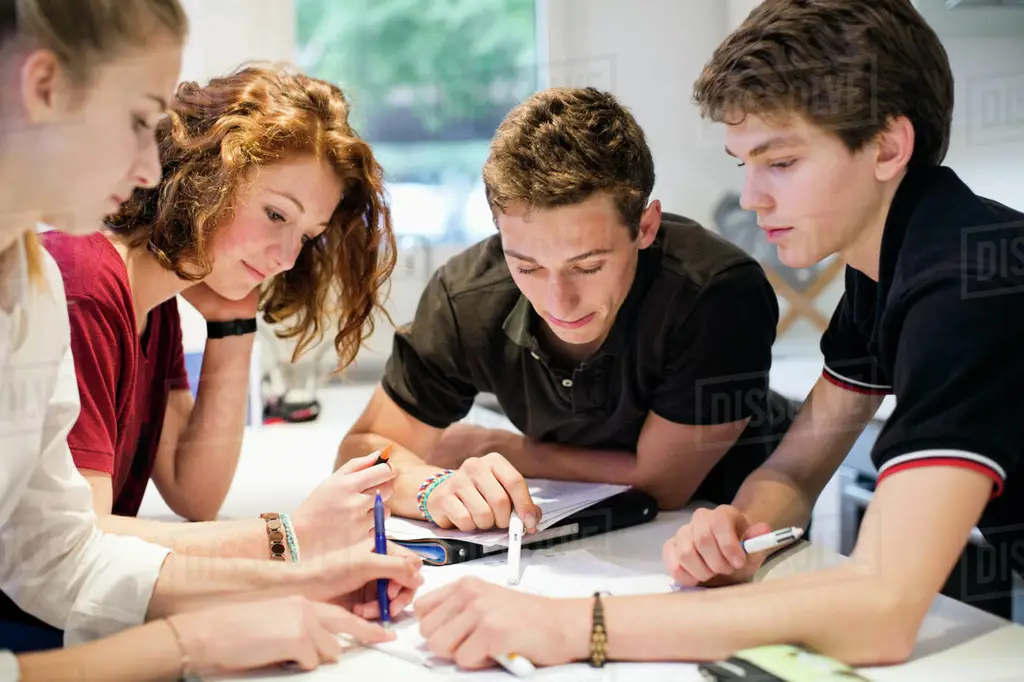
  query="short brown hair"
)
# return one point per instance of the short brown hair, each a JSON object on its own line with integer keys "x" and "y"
{"x": 848, "y": 66}
{"x": 253, "y": 117}
{"x": 561, "y": 146}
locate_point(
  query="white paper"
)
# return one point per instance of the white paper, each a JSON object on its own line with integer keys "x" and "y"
{"x": 556, "y": 499}
{"x": 550, "y": 573}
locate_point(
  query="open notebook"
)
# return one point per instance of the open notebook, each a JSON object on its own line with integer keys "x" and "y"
{"x": 558, "y": 500}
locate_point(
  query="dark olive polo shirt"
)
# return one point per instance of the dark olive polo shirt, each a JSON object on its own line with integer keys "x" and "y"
{"x": 943, "y": 330}
{"x": 692, "y": 343}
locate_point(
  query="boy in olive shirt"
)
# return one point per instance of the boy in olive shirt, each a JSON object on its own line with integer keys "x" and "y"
{"x": 627, "y": 345}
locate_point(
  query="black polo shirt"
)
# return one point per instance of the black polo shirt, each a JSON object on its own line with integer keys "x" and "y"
{"x": 943, "y": 329}
{"x": 692, "y": 342}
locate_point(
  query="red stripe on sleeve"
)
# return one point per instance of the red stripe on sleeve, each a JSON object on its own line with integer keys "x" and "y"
{"x": 947, "y": 461}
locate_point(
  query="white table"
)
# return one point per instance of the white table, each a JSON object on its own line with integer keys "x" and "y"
{"x": 956, "y": 642}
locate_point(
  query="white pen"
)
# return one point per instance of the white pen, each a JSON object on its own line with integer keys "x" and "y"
{"x": 516, "y": 664}
{"x": 776, "y": 538}
{"x": 515, "y": 547}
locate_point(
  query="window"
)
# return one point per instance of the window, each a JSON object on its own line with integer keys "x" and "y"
{"x": 428, "y": 82}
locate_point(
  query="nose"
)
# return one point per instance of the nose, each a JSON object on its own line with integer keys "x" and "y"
{"x": 147, "y": 170}
{"x": 754, "y": 196}
{"x": 562, "y": 297}
{"x": 284, "y": 251}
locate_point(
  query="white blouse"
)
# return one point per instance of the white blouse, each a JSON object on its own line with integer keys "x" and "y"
{"x": 54, "y": 562}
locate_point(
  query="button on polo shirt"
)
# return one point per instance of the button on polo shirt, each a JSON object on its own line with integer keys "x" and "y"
{"x": 691, "y": 342}
{"x": 943, "y": 329}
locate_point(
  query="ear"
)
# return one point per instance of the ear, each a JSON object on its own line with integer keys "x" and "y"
{"x": 650, "y": 221}
{"x": 895, "y": 147}
{"x": 41, "y": 80}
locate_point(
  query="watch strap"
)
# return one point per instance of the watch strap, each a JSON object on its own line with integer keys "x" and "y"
{"x": 218, "y": 330}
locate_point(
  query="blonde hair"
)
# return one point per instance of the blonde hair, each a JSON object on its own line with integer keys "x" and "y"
{"x": 85, "y": 34}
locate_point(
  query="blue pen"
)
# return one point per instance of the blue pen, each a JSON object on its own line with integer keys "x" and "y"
{"x": 383, "y": 601}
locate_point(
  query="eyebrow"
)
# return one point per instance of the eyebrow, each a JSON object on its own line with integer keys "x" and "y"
{"x": 159, "y": 100}
{"x": 772, "y": 143}
{"x": 574, "y": 259}
{"x": 290, "y": 197}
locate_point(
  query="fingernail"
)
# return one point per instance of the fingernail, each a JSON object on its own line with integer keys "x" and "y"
{"x": 530, "y": 520}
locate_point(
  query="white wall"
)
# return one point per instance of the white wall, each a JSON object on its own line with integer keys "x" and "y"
{"x": 648, "y": 54}
{"x": 987, "y": 145}
{"x": 226, "y": 33}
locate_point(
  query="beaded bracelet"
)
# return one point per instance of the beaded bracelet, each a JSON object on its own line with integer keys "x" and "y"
{"x": 428, "y": 487}
{"x": 289, "y": 535}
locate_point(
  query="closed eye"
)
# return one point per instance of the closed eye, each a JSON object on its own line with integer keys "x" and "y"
{"x": 590, "y": 271}
{"x": 527, "y": 271}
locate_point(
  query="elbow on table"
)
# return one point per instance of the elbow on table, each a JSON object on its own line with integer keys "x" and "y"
{"x": 197, "y": 510}
{"x": 887, "y": 632}
{"x": 668, "y": 499}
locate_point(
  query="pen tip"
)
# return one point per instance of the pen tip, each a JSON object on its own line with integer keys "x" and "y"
{"x": 798, "y": 533}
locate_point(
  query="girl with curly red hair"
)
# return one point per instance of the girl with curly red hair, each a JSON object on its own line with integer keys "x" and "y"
{"x": 269, "y": 204}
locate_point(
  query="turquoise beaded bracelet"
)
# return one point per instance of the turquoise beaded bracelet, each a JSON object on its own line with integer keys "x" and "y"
{"x": 428, "y": 487}
{"x": 289, "y": 535}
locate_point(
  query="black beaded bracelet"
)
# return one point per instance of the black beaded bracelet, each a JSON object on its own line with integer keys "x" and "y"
{"x": 218, "y": 330}
{"x": 598, "y": 635}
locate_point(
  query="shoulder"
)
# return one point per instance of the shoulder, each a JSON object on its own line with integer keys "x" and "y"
{"x": 477, "y": 270}
{"x": 477, "y": 283}
{"x": 954, "y": 232}
{"x": 91, "y": 270}
{"x": 47, "y": 318}
{"x": 89, "y": 264}
{"x": 695, "y": 254}
{"x": 695, "y": 267}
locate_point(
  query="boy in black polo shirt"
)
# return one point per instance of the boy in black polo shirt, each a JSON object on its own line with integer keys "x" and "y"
{"x": 628, "y": 346}
{"x": 840, "y": 110}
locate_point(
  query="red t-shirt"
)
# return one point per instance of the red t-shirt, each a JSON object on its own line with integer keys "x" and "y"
{"x": 124, "y": 380}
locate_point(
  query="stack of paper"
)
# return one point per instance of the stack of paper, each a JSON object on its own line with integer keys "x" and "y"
{"x": 556, "y": 499}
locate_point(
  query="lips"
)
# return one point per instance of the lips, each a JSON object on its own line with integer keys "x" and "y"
{"x": 774, "y": 233}
{"x": 260, "y": 276}
{"x": 573, "y": 324}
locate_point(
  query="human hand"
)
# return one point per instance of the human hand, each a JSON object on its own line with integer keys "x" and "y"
{"x": 250, "y": 635}
{"x": 339, "y": 512}
{"x": 472, "y": 621}
{"x": 481, "y": 494}
{"x": 215, "y": 308}
{"x": 349, "y": 578}
{"x": 708, "y": 550}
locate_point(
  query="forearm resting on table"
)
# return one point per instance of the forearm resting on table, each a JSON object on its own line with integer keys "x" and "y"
{"x": 147, "y": 653}
{"x": 533, "y": 459}
{"x": 189, "y": 582}
{"x": 242, "y": 538}
{"x": 842, "y": 612}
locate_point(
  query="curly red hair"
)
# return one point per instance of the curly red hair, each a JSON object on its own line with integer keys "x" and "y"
{"x": 253, "y": 117}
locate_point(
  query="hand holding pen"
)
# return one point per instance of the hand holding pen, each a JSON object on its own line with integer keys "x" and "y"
{"x": 720, "y": 546}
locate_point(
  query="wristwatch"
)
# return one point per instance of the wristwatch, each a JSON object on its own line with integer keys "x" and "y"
{"x": 218, "y": 330}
